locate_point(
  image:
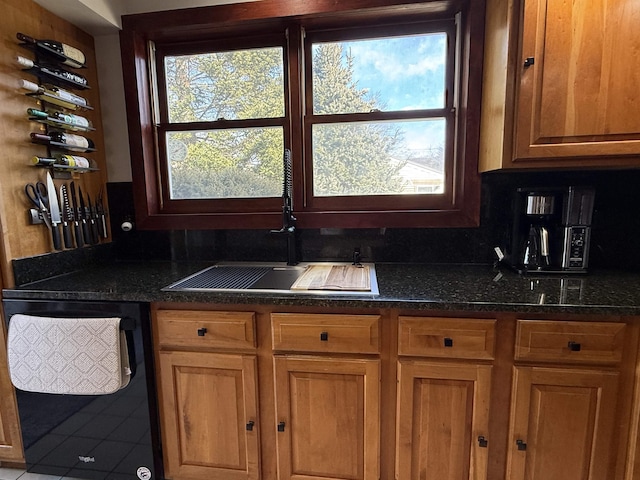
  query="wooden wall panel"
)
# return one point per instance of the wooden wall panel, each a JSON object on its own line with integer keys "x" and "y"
{"x": 19, "y": 238}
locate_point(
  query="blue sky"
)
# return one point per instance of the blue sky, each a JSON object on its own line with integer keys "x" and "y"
{"x": 408, "y": 73}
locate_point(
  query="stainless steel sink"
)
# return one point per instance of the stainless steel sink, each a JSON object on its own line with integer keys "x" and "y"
{"x": 260, "y": 277}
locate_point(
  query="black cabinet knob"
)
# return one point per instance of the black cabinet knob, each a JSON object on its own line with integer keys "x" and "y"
{"x": 202, "y": 331}
{"x": 529, "y": 61}
{"x": 574, "y": 346}
{"x": 521, "y": 445}
{"x": 250, "y": 425}
{"x": 324, "y": 336}
{"x": 448, "y": 342}
{"x": 281, "y": 426}
{"x": 482, "y": 442}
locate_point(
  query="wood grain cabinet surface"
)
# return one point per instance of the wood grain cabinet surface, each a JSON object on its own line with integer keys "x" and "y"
{"x": 562, "y": 424}
{"x": 209, "y": 407}
{"x": 561, "y": 81}
{"x": 442, "y": 420}
{"x": 273, "y": 393}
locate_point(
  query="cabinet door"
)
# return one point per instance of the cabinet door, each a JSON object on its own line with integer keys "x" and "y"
{"x": 209, "y": 416}
{"x": 442, "y": 421}
{"x": 579, "y": 96}
{"x": 10, "y": 437}
{"x": 562, "y": 423}
{"x": 328, "y": 418}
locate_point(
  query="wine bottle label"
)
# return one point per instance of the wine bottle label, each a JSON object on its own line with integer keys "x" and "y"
{"x": 69, "y": 97}
{"x": 74, "y": 161}
{"x": 72, "y": 119}
{"x": 73, "y": 53}
{"x": 75, "y": 140}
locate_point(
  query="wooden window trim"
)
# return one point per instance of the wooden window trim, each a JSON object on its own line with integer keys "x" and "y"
{"x": 152, "y": 212}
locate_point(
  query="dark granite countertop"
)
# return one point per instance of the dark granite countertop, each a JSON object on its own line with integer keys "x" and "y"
{"x": 479, "y": 288}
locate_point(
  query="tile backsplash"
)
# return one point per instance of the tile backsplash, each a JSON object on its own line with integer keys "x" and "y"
{"x": 616, "y": 228}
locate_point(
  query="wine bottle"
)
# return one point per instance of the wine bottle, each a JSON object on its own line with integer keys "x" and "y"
{"x": 65, "y": 160}
{"x": 55, "y": 118}
{"x": 55, "y": 95}
{"x": 62, "y": 52}
{"x": 67, "y": 140}
{"x": 71, "y": 78}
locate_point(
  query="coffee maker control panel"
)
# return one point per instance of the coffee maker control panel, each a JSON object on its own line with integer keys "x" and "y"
{"x": 576, "y": 252}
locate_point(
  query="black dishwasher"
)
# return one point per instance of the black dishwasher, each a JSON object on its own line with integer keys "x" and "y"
{"x": 104, "y": 437}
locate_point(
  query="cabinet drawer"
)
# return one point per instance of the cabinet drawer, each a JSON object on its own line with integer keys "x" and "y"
{"x": 569, "y": 342}
{"x": 446, "y": 337}
{"x": 189, "y": 328}
{"x": 325, "y": 333}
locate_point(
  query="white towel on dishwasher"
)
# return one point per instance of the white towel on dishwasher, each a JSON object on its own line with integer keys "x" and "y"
{"x": 74, "y": 356}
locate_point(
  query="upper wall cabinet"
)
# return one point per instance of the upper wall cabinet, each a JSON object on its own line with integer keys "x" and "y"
{"x": 561, "y": 84}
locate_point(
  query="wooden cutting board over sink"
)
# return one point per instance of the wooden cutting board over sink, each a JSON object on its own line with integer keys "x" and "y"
{"x": 334, "y": 277}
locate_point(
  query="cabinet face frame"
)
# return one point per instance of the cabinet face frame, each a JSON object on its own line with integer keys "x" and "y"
{"x": 289, "y": 372}
{"x": 450, "y": 382}
{"x": 532, "y": 418}
{"x": 178, "y": 367}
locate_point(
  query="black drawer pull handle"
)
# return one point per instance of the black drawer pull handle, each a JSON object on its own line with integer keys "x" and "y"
{"x": 202, "y": 331}
{"x": 250, "y": 426}
{"x": 574, "y": 346}
{"x": 521, "y": 445}
{"x": 324, "y": 336}
{"x": 482, "y": 442}
{"x": 529, "y": 61}
{"x": 281, "y": 426}
{"x": 448, "y": 342}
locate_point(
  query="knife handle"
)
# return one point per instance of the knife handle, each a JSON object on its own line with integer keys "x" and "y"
{"x": 55, "y": 234}
{"x": 66, "y": 233}
{"x": 94, "y": 232}
{"x": 86, "y": 232}
{"x": 78, "y": 234}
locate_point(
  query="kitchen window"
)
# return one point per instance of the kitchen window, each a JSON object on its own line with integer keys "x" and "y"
{"x": 374, "y": 106}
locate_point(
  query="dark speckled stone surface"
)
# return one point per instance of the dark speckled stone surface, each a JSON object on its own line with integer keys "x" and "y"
{"x": 451, "y": 287}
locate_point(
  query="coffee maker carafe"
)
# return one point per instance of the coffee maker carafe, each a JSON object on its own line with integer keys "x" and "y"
{"x": 551, "y": 229}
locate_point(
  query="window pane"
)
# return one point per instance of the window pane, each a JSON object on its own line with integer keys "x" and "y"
{"x": 388, "y": 74}
{"x": 239, "y": 84}
{"x": 231, "y": 163}
{"x": 379, "y": 158}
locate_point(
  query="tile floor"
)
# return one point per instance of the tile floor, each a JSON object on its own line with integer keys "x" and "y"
{"x": 15, "y": 474}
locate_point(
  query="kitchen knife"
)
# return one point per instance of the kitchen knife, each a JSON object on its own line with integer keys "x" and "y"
{"x": 66, "y": 217}
{"x": 102, "y": 216}
{"x": 82, "y": 213}
{"x": 54, "y": 212}
{"x": 76, "y": 216}
{"x": 93, "y": 221}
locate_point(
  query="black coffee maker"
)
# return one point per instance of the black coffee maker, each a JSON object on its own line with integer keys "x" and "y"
{"x": 551, "y": 229}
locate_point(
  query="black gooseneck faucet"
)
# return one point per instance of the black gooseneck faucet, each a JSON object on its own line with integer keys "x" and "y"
{"x": 288, "y": 220}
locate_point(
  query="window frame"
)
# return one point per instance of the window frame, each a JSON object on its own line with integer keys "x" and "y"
{"x": 163, "y": 126}
{"x": 381, "y": 203}
{"x": 244, "y": 21}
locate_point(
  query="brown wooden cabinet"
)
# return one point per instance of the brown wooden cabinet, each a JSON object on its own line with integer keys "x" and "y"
{"x": 564, "y": 405}
{"x": 10, "y": 436}
{"x": 208, "y": 399}
{"x": 442, "y": 419}
{"x": 562, "y": 424}
{"x": 327, "y": 408}
{"x": 305, "y": 393}
{"x": 555, "y": 93}
{"x": 328, "y": 417}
